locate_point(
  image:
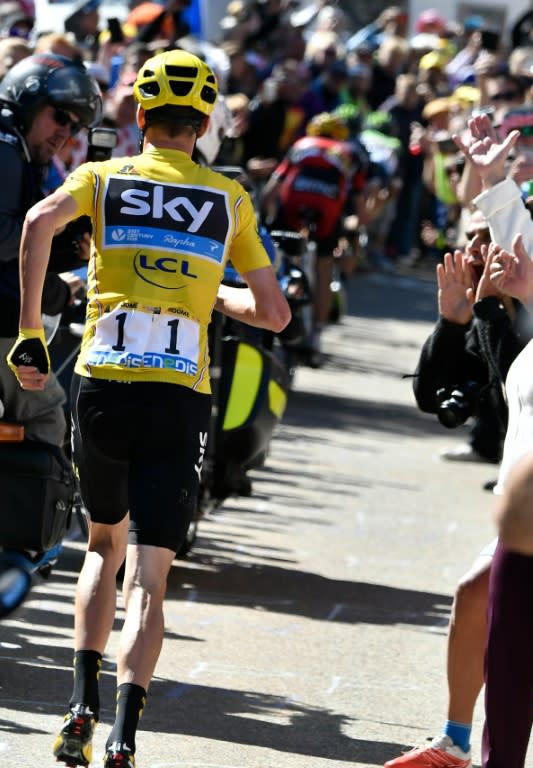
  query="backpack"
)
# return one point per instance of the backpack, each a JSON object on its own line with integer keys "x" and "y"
{"x": 37, "y": 490}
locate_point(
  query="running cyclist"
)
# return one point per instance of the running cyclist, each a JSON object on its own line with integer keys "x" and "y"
{"x": 163, "y": 229}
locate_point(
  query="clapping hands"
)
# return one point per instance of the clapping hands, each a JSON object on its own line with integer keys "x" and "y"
{"x": 512, "y": 273}
{"x": 455, "y": 288}
{"x": 458, "y": 289}
{"x": 483, "y": 148}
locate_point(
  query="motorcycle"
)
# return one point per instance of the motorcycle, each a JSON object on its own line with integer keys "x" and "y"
{"x": 252, "y": 371}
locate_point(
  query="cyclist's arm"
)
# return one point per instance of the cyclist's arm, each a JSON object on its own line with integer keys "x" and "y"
{"x": 41, "y": 223}
{"x": 262, "y": 304}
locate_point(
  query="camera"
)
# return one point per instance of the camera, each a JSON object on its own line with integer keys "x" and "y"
{"x": 457, "y": 405}
{"x": 101, "y": 143}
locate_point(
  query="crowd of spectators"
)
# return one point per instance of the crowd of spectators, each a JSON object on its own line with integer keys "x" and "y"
{"x": 280, "y": 63}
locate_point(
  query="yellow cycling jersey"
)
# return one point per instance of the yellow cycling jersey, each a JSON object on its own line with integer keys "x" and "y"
{"x": 163, "y": 230}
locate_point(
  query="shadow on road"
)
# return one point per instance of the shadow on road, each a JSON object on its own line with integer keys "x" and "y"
{"x": 38, "y": 676}
{"x": 350, "y": 413}
{"x": 300, "y": 593}
{"x": 408, "y": 297}
{"x": 223, "y": 714}
{"x": 263, "y": 720}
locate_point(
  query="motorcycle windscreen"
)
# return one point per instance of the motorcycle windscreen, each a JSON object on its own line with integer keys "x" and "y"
{"x": 253, "y": 396}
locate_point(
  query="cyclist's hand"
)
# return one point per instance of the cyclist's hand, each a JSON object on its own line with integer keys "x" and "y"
{"x": 29, "y": 359}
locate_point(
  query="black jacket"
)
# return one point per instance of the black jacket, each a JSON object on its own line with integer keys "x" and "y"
{"x": 20, "y": 189}
{"x": 481, "y": 352}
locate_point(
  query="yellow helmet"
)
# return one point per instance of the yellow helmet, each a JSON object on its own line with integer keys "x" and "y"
{"x": 328, "y": 125}
{"x": 176, "y": 78}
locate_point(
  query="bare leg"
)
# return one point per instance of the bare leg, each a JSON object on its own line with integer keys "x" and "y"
{"x": 95, "y": 603}
{"x": 95, "y": 606}
{"x": 144, "y": 588}
{"x": 466, "y": 647}
{"x": 466, "y": 641}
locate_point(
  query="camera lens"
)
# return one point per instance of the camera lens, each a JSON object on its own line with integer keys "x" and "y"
{"x": 452, "y": 414}
{"x": 459, "y": 406}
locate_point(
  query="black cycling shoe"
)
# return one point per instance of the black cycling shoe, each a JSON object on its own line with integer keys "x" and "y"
{"x": 73, "y": 744}
{"x": 119, "y": 755}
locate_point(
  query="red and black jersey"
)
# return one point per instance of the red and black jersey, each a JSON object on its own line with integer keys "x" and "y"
{"x": 318, "y": 175}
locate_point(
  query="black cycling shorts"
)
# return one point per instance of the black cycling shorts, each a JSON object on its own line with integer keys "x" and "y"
{"x": 139, "y": 447}
{"x": 324, "y": 245}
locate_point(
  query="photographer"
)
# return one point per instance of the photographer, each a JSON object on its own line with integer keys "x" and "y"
{"x": 44, "y": 100}
{"x": 476, "y": 338}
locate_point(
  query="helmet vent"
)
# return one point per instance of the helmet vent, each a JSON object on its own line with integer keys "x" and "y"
{"x": 150, "y": 89}
{"x": 174, "y": 70}
{"x": 208, "y": 94}
{"x": 180, "y": 88}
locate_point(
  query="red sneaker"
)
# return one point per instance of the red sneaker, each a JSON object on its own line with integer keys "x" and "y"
{"x": 441, "y": 753}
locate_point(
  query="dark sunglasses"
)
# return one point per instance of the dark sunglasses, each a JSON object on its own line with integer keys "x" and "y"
{"x": 63, "y": 118}
{"x": 505, "y": 96}
{"x": 526, "y": 130}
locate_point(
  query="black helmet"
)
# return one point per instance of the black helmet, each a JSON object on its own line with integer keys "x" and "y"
{"x": 47, "y": 78}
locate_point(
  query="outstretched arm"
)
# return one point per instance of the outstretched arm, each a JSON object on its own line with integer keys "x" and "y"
{"x": 501, "y": 198}
{"x": 28, "y": 359}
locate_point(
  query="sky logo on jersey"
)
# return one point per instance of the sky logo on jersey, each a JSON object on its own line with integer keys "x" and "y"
{"x": 151, "y": 215}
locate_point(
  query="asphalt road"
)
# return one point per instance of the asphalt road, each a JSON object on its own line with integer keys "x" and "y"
{"x": 307, "y": 628}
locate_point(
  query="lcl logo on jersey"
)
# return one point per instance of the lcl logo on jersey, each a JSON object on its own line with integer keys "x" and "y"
{"x": 166, "y": 271}
{"x": 153, "y": 215}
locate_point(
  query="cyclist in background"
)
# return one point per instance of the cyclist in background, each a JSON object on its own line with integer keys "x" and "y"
{"x": 320, "y": 181}
{"x": 163, "y": 229}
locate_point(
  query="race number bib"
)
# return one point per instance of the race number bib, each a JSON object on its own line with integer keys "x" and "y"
{"x": 133, "y": 338}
